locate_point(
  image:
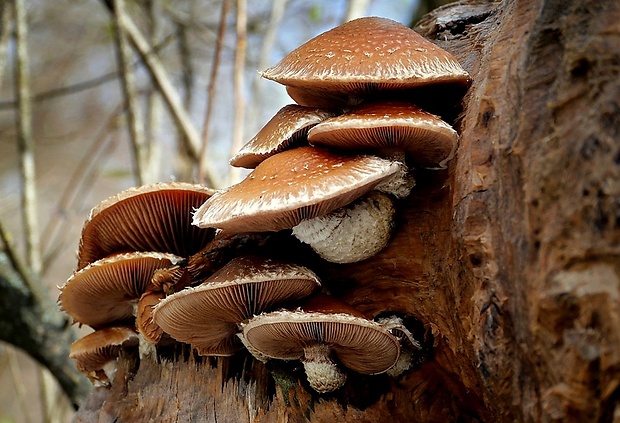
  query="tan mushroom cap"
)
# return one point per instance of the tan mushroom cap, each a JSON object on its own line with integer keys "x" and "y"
{"x": 361, "y": 56}
{"x": 92, "y": 352}
{"x": 296, "y": 184}
{"x": 155, "y": 217}
{"x": 207, "y": 316}
{"x": 288, "y": 128}
{"x": 428, "y": 141}
{"x": 107, "y": 290}
{"x": 359, "y": 344}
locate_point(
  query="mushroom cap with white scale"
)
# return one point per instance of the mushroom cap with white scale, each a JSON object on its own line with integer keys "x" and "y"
{"x": 286, "y": 129}
{"x": 95, "y": 354}
{"x": 426, "y": 139}
{"x": 296, "y": 184}
{"x": 207, "y": 316}
{"x": 362, "y": 56}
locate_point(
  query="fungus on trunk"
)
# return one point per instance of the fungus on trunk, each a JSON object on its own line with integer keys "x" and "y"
{"x": 154, "y": 217}
{"x": 207, "y": 316}
{"x": 390, "y": 128}
{"x": 95, "y": 354}
{"x": 296, "y": 184}
{"x": 362, "y": 58}
{"x": 108, "y": 290}
{"x": 287, "y": 129}
{"x": 323, "y": 333}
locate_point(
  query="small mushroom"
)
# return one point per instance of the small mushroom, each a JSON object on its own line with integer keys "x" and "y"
{"x": 322, "y": 333}
{"x": 390, "y": 127}
{"x": 296, "y": 184}
{"x": 409, "y": 344}
{"x": 207, "y": 316}
{"x": 95, "y": 354}
{"x": 108, "y": 290}
{"x": 154, "y": 217}
{"x": 360, "y": 58}
{"x": 287, "y": 129}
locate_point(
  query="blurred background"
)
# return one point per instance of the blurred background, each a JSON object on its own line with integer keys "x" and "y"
{"x": 97, "y": 96}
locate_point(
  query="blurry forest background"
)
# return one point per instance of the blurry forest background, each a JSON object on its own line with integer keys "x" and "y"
{"x": 100, "y": 95}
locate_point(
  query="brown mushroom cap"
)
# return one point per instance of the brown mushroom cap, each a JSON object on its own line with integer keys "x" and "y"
{"x": 361, "y": 56}
{"x": 429, "y": 141}
{"x": 154, "y": 217}
{"x": 207, "y": 316}
{"x": 92, "y": 352}
{"x": 359, "y": 344}
{"x": 288, "y": 128}
{"x": 291, "y": 186}
{"x": 107, "y": 290}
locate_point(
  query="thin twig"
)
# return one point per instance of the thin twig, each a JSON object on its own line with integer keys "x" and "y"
{"x": 25, "y": 141}
{"x": 84, "y": 85}
{"x": 215, "y": 65}
{"x": 153, "y": 100}
{"x": 239, "y": 96}
{"x": 5, "y": 33}
{"x": 18, "y": 383}
{"x": 278, "y": 7}
{"x": 80, "y": 179}
{"x": 136, "y": 133}
{"x": 162, "y": 81}
{"x": 355, "y": 9}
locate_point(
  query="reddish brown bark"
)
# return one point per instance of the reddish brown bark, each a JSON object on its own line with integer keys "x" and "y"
{"x": 510, "y": 260}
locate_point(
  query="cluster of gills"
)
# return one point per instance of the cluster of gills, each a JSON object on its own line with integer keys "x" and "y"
{"x": 331, "y": 168}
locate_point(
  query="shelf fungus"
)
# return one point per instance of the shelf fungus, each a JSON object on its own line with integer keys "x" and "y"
{"x": 155, "y": 217}
{"x": 287, "y": 129}
{"x": 109, "y": 289}
{"x": 207, "y": 316}
{"x": 324, "y": 334}
{"x": 297, "y": 185}
{"x": 364, "y": 58}
{"x": 96, "y": 354}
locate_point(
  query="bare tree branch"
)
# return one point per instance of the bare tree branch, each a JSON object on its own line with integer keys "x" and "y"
{"x": 5, "y": 32}
{"x": 136, "y": 132}
{"x": 153, "y": 101}
{"x": 215, "y": 65}
{"x": 355, "y": 9}
{"x": 163, "y": 83}
{"x": 278, "y": 7}
{"x": 34, "y": 323}
{"x": 239, "y": 96}
{"x": 25, "y": 142}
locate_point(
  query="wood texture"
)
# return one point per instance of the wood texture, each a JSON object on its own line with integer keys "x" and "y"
{"x": 507, "y": 264}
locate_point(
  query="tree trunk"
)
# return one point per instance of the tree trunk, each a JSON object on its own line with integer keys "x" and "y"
{"x": 509, "y": 260}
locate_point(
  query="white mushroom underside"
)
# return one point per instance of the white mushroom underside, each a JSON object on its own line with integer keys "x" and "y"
{"x": 352, "y": 233}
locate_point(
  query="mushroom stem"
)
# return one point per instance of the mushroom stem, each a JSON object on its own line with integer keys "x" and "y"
{"x": 400, "y": 183}
{"x": 109, "y": 369}
{"x": 322, "y": 372}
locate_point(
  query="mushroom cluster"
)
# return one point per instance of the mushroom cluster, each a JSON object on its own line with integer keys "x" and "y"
{"x": 167, "y": 263}
{"x": 332, "y": 166}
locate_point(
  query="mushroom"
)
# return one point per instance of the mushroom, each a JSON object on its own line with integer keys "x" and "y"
{"x": 392, "y": 128}
{"x": 287, "y": 129}
{"x": 361, "y": 58}
{"x": 108, "y": 290}
{"x": 321, "y": 333}
{"x": 95, "y": 354}
{"x": 291, "y": 186}
{"x": 409, "y": 344}
{"x": 207, "y": 316}
{"x": 152, "y": 217}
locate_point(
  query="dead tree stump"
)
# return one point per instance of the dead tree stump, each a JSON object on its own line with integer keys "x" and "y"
{"x": 509, "y": 260}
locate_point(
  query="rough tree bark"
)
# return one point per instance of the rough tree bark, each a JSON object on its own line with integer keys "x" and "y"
{"x": 510, "y": 260}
